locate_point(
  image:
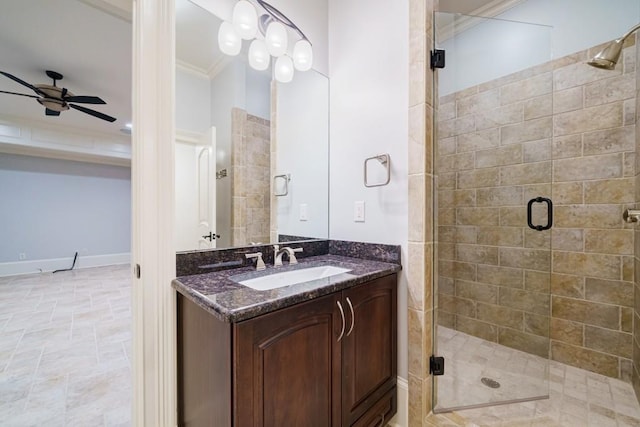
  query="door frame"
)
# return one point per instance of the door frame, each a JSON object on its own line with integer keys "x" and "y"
{"x": 153, "y": 169}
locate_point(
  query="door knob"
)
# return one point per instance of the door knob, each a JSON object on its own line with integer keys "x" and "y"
{"x": 211, "y": 236}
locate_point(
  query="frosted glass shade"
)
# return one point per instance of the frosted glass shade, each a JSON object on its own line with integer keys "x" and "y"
{"x": 276, "y": 38}
{"x": 245, "y": 19}
{"x": 229, "y": 41}
{"x": 302, "y": 55}
{"x": 283, "y": 69}
{"x": 259, "y": 55}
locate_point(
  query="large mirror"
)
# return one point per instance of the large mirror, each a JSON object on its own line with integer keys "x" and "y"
{"x": 251, "y": 153}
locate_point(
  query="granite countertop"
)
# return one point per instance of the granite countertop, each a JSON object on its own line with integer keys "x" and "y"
{"x": 230, "y": 301}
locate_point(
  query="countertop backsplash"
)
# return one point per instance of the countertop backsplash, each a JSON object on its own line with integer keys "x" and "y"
{"x": 211, "y": 260}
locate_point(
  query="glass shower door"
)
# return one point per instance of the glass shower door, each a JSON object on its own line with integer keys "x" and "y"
{"x": 492, "y": 156}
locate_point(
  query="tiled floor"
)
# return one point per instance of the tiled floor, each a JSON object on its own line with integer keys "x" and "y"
{"x": 576, "y": 397}
{"x": 65, "y": 345}
{"x": 468, "y": 359}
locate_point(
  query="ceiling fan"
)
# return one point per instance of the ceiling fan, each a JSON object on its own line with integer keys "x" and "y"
{"x": 57, "y": 99}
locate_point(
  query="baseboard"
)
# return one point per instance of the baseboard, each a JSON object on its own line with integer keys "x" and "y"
{"x": 44, "y": 265}
{"x": 401, "y": 419}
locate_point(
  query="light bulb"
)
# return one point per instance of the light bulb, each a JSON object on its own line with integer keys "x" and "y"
{"x": 245, "y": 19}
{"x": 258, "y": 55}
{"x": 302, "y": 55}
{"x": 284, "y": 69}
{"x": 229, "y": 41}
{"x": 276, "y": 38}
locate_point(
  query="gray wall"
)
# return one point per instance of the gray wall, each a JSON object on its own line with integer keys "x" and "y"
{"x": 53, "y": 208}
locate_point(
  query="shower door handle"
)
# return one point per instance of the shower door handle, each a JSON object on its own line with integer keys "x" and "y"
{"x": 549, "y": 213}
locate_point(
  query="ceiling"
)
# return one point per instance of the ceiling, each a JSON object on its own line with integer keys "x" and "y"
{"x": 90, "y": 48}
{"x": 472, "y": 7}
{"x": 197, "y": 38}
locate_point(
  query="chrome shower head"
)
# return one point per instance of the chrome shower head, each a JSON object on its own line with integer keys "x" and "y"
{"x": 609, "y": 56}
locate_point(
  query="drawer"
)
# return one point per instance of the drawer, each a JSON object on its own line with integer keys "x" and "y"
{"x": 380, "y": 413}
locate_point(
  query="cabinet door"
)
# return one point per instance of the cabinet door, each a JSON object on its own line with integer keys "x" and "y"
{"x": 369, "y": 351}
{"x": 287, "y": 367}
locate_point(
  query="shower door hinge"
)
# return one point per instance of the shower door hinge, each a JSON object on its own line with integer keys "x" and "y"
{"x": 436, "y": 365}
{"x": 437, "y": 58}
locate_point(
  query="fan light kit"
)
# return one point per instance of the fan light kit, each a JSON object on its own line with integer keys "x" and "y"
{"x": 56, "y": 99}
{"x": 270, "y": 35}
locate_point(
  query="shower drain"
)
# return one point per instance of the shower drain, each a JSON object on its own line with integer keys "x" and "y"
{"x": 490, "y": 383}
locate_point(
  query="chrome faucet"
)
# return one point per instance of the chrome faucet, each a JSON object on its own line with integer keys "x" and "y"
{"x": 277, "y": 255}
{"x": 259, "y": 262}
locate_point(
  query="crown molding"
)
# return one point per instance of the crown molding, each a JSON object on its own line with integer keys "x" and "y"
{"x": 462, "y": 23}
{"x": 218, "y": 66}
{"x": 191, "y": 69}
{"x": 210, "y": 73}
{"x": 122, "y": 9}
{"x": 33, "y": 138}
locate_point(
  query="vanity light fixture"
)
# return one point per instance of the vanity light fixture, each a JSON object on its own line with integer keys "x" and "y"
{"x": 270, "y": 34}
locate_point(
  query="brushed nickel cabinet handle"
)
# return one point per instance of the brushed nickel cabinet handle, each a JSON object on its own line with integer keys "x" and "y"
{"x": 382, "y": 420}
{"x": 353, "y": 316}
{"x": 343, "y": 321}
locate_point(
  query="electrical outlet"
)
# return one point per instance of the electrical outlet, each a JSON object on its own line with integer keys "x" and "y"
{"x": 358, "y": 211}
{"x": 304, "y": 212}
{"x": 22, "y": 256}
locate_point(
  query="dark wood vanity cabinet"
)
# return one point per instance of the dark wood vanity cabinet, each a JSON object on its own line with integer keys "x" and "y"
{"x": 330, "y": 361}
{"x": 369, "y": 364}
{"x": 287, "y": 367}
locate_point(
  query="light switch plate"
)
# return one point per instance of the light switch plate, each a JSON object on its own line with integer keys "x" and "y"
{"x": 358, "y": 211}
{"x": 304, "y": 212}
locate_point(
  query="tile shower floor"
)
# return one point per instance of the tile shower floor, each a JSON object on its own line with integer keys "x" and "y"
{"x": 576, "y": 397}
{"x": 65, "y": 345}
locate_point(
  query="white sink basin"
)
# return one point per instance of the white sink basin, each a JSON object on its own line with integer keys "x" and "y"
{"x": 292, "y": 277}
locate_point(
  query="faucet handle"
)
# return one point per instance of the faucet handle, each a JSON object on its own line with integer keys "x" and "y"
{"x": 259, "y": 262}
{"x": 277, "y": 256}
{"x": 292, "y": 256}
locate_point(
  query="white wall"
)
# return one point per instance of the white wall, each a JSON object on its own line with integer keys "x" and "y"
{"x": 497, "y": 48}
{"x": 368, "y": 71}
{"x": 193, "y": 101}
{"x": 53, "y": 208}
{"x": 258, "y": 93}
{"x": 303, "y": 152}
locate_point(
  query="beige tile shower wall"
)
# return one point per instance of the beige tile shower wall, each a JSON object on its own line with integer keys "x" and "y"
{"x": 421, "y": 243}
{"x": 250, "y": 172}
{"x": 636, "y": 250}
{"x": 562, "y": 130}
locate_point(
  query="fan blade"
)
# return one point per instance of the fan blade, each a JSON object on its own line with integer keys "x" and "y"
{"x": 49, "y": 112}
{"x": 22, "y": 82}
{"x": 94, "y": 113}
{"x": 84, "y": 99}
{"x": 21, "y": 94}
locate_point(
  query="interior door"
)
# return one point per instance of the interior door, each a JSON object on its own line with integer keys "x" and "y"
{"x": 195, "y": 191}
{"x": 494, "y": 168}
{"x": 206, "y": 187}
